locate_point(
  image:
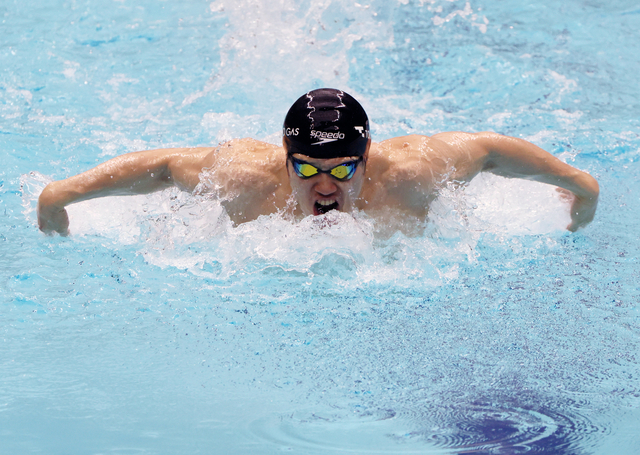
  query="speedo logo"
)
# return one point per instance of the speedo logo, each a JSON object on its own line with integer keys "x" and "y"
{"x": 325, "y": 137}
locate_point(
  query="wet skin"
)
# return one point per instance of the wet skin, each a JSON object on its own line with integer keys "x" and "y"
{"x": 253, "y": 178}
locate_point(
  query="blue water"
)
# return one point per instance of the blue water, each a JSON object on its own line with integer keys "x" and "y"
{"x": 160, "y": 328}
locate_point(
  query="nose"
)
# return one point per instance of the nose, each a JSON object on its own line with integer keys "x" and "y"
{"x": 325, "y": 185}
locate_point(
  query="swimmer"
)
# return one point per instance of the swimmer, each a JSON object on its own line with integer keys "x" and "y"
{"x": 327, "y": 162}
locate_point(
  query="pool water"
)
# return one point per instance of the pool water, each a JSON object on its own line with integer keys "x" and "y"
{"x": 158, "y": 327}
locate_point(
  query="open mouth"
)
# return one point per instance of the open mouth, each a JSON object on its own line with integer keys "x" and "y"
{"x": 321, "y": 207}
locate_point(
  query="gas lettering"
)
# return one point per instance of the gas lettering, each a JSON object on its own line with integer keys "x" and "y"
{"x": 290, "y": 131}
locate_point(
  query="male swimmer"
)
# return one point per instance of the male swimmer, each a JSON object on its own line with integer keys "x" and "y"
{"x": 327, "y": 162}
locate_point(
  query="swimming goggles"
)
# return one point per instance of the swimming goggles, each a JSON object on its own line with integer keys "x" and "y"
{"x": 342, "y": 171}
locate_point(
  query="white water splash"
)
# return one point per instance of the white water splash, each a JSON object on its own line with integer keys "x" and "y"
{"x": 194, "y": 233}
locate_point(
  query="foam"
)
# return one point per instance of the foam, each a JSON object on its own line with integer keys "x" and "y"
{"x": 193, "y": 233}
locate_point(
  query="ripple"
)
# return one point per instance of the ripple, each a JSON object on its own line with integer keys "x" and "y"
{"x": 487, "y": 428}
{"x": 478, "y": 428}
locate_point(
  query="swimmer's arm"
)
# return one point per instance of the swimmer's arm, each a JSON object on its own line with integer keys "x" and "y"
{"x": 516, "y": 158}
{"x": 133, "y": 173}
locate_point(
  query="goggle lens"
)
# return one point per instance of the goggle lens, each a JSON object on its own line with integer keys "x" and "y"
{"x": 305, "y": 170}
{"x": 344, "y": 171}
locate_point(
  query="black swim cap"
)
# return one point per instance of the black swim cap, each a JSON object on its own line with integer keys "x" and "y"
{"x": 326, "y": 123}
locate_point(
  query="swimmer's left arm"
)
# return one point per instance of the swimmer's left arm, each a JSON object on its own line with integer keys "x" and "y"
{"x": 516, "y": 158}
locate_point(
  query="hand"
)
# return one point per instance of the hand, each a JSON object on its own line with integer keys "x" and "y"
{"x": 52, "y": 218}
{"x": 583, "y": 209}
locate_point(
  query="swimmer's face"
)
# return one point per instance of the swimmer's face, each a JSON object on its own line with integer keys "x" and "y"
{"x": 323, "y": 192}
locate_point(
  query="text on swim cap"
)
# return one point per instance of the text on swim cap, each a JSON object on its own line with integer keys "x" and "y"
{"x": 290, "y": 131}
{"x": 325, "y": 135}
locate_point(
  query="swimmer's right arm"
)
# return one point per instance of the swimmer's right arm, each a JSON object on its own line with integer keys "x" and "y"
{"x": 133, "y": 173}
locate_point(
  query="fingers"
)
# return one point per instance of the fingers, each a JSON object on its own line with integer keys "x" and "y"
{"x": 572, "y": 227}
{"x": 565, "y": 195}
{"x": 52, "y": 221}
{"x": 582, "y": 213}
{"x": 48, "y": 230}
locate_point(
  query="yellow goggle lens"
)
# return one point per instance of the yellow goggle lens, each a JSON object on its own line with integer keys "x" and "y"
{"x": 307, "y": 170}
{"x": 341, "y": 172}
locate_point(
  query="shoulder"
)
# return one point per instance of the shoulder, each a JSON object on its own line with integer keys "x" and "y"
{"x": 404, "y": 170}
{"x": 403, "y": 145}
{"x": 246, "y": 164}
{"x": 418, "y": 146}
{"x": 249, "y": 177}
{"x": 247, "y": 150}
{"x": 474, "y": 146}
{"x": 232, "y": 162}
{"x": 248, "y": 156}
{"x": 452, "y": 155}
{"x": 409, "y": 157}
{"x": 428, "y": 161}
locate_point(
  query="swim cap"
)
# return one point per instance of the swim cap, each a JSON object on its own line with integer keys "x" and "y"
{"x": 326, "y": 123}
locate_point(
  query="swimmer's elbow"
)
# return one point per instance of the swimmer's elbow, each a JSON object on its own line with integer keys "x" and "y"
{"x": 55, "y": 195}
{"x": 587, "y": 186}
